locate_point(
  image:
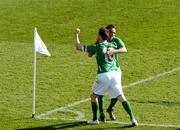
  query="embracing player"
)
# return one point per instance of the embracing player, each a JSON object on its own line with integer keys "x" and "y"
{"x": 108, "y": 79}
{"x": 120, "y": 49}
{"x": 113, "y": 51}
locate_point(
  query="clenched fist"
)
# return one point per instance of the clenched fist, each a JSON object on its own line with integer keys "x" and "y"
{"x": 77, "y": 31}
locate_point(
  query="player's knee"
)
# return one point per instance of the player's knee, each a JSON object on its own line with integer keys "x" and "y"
{"x": 93, "y": 98}
{"x": 121, "y": 98}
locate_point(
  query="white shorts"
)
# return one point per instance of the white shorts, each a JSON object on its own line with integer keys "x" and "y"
{"x": 108, "y": 82}
{"x": 120, "y": 73}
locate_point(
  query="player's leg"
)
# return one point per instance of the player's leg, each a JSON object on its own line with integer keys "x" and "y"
{"x": 94, "y": 106}
{"x": 101, "y": 103}
{"x": 116, "y": 91}
{"x": 128, "y": 109}
{"x": 101, "y": 107}
{"x": 99, "y": 88}
{"x": 114, "y": 100}
{"x": 110, "y": 108}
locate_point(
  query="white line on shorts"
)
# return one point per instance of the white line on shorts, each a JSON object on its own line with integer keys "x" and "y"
{"x": 80, "y": 115}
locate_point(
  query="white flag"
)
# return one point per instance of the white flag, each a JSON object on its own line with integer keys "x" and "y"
{"x": 39, "y": 45}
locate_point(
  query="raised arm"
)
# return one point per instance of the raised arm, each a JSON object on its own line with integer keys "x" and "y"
{"x": 78, "y": 46}
{"x": 90, "y": 49}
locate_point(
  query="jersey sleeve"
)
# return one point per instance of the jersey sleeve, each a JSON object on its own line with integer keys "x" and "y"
{"x": 119, "y": 42}
{"x": 89, "y": 48}
{"x": 113, "y": 45}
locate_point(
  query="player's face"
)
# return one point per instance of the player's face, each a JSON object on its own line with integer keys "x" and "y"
{"x": 112, "y": 33}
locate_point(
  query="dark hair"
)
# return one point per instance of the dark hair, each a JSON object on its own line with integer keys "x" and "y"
{"x": 103, "y": 32}
{"x": 110, "y": 26}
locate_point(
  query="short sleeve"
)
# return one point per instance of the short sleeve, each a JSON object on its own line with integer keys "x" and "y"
{"x": 90, "y": 48}
{"x": 113, "y": 45}
{"x": 119, "y": 42}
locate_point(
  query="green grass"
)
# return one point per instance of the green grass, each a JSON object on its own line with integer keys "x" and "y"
{"x": 149, "y": 28}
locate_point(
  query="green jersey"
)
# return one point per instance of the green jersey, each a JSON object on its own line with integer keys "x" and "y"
{"x": 104, "y": 63}
{"x": 118, "y": 43}
{"x": 90, "y": 48}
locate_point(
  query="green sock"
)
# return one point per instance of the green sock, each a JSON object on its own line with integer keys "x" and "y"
{"x": 94, "y": 110}
{"x": 128, "y": 109}
{"x": 101, "y": 103}
{"x": 113, "y": 102}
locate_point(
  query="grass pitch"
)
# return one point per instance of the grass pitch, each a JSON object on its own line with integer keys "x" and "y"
{"x": 150, "y": 30}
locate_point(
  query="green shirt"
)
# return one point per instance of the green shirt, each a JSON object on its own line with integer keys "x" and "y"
{"x": 90, "y": 48}
{"x": 119, "y": 44}
{"x": 104, "y": 63}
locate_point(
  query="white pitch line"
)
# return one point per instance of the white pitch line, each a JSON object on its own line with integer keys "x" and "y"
{"x": 126, "y": 86}
{"x": 57, "y": 119}
{"x": 113, "y": 122}
{"x": 62, "y": 108}
{"x": 152, "y": 77}
{"x": 145, "y": 124}
{"x": 80, "y": 115}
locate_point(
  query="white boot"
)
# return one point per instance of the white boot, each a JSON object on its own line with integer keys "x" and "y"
{"x": 96, "y": 122}
{"x": 134, "y": 122}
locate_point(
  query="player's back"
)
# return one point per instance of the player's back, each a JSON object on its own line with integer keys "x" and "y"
{"x": 104, "y": 63}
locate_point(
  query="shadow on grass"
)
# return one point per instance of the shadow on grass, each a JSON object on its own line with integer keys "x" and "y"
{"x": 109, "y": 128}
{"x": 58, "y": 126}
{"x": 72, "y": 125}
{"x": 165, "y": 103}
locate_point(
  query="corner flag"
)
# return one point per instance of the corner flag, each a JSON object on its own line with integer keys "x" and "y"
{"x": 40, "y": 47}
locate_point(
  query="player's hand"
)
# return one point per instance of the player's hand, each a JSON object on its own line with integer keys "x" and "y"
{"x": 110, "y": 52}
{"x": 77, "y": 31}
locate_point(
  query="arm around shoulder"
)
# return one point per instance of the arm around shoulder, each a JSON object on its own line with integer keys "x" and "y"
{"x": 121, "y": 50}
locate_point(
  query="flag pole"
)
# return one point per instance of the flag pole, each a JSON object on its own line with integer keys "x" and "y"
{"x": 34, "y": 79}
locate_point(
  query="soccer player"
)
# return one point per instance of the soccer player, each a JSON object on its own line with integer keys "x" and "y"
{"x": 111, "y": 51}
{"x": 107, "y": 77}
